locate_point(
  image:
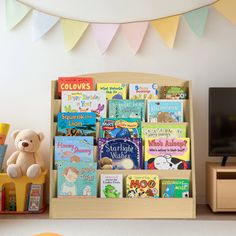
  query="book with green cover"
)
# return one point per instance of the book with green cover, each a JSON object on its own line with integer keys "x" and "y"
{"x": 164, "y": 130}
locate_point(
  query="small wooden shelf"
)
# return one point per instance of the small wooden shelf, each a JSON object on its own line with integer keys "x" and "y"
{"x": 126, "y": 207}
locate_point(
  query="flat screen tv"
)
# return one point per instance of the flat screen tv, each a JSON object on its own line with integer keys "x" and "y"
{"x": 222, "y": 122}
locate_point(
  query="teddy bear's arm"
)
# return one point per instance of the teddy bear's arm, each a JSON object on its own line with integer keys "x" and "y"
{"x": 39, "y": 160}
{"x": 12, "y": 158}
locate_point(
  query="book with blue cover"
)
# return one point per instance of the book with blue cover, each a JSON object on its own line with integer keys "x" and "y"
{"x": 165, "y": 111}
{"x": 127, "y": 109}
{"x": 73, "y": 149}
{"x": 76, "y": 124}
{"x": 119, "y": 154}
{"x": 120, "y": 128}
{"x": 77, "y": 180}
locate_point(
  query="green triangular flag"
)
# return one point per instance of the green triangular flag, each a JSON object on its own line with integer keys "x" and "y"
{"x": 15, "y": 12}
{"x": 197, "y": 20}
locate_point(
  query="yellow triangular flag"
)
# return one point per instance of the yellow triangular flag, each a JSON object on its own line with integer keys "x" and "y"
{"x": 15, "y": 12}
{"x": 227, "y": 8}
{"x": 73, "y": 31}
{"x": 167, "y": 28}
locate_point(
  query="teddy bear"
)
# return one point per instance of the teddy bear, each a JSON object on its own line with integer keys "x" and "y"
{"x": 26, "y": 160}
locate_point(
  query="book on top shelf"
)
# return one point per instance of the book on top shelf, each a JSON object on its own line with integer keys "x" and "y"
{"x": 165, "y": 111}
{"x": 167, "y": 154}
{"x": 76, "y": 124}
{"x": 74, "y": 84}
{"x": 77, "y": 180}
{"x": 113, "y": 90}
{"x": 73, "y": 149}
{"x": 127, "y": 109}
{"x": 119, "y": 153}
{"x": 173, "y": 92}
{"x": 120, "y": 128}
{"x": 164, "y": 130}
{"x": 143, "y": 91}
{"x": 84, "y": 101}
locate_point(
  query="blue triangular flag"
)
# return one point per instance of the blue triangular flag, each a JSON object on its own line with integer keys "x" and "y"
{"x": 196, "y": 20}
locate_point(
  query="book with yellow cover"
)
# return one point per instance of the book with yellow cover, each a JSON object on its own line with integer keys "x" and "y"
{"x": 167, "y": 154}
{"x": 113, "y": 90}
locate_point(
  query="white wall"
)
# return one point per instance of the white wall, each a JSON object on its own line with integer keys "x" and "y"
{"x": 27, "y": 68}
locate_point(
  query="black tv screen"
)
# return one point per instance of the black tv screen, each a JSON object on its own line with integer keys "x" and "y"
{"x": 222, "y": 122}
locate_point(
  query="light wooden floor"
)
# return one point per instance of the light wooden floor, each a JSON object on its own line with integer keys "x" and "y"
{"x": 203, "y": 213}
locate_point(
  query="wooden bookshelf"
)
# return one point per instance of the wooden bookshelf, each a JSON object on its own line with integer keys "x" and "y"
{"x": 126, "y": 207}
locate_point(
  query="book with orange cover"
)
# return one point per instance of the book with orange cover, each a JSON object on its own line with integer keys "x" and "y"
{"x": 75, "y": 83}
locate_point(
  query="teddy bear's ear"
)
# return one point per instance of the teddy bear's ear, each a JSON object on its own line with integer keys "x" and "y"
{"x": 41, "y": 136}
{"x": 14, "y": 134}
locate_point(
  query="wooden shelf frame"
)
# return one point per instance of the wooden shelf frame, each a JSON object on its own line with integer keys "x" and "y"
{"x": 125, "y": 207}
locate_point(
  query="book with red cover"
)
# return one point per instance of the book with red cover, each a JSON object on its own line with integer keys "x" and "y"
{"x": 74, "y": 83}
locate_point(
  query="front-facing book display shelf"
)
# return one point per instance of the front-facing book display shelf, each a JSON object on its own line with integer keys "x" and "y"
{"x": 126, "y": 207}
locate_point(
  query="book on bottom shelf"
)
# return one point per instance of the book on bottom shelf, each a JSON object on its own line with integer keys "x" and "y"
{"x": 35, "y": 198}
{"x": 77, "y": 180}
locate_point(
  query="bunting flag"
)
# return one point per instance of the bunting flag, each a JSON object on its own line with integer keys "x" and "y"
{"x": 135, "y": 33}
{"x": 167, "y": 28}
{"x": 227, "y": 8}
{"x": 42, "y": 23}
{"x": 73, "y": 31}
{"x": 197, "y": 20}
{"x": 15, "y": 12}
{"x": 104, "y": 33}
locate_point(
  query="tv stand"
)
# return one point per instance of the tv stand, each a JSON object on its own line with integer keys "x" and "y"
{"x": 225, "y": 158}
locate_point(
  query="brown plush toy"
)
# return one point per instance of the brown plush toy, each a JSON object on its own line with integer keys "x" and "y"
{"x": 26, "y": 160}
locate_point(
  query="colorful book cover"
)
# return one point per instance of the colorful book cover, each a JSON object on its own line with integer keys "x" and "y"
{"x": 167, "y": 154}
{"x": 144, "y": 186}
{"x": 143, "y": 91}
{"x": 85, "y": 101}
{"x": 111, "y": 186}
{"x": 4, "y": 128}
{"x": 113, "y": 90}
{"x": 73, "y": 149}
{"x": 120, "y": 128}
{"x": 76, "y": 124}
{"x": 175, "y": 188}
{"x": 74, "y": 84}
{"x": 173, "y": 92}
{"x": 77, "y": 179}
{"x": 165, "y": 111}
{"x": 120, "y": 154}
{"x": 127, "y": 109}
{"x": 3, "y": 149}
{"x": 2, "y": 198}
{"x": 35, "y": 197}
{"x": 164, "y": 130}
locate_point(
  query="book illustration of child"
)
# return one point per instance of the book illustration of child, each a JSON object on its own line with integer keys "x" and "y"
{"x": 70, "y": 174}
{"x": 87, "y": 191}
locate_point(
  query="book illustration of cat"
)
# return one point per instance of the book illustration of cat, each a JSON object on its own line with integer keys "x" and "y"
{"x": 165, "y": 117}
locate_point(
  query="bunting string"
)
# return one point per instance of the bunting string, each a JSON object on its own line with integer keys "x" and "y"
{"x": 104, "y": 34}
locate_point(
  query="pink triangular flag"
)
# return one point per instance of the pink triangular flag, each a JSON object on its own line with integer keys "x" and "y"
{"x": 135, "y": 33}
{"x": 104, "y": 33}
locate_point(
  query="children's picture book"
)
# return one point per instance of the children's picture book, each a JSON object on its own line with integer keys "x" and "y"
{"x": 113, "y": 90}
{"x": 74, "y": 84}
{"x": 120, "y": 128}
{"x": 73, "y": 149}
{"x": 76, "y": 124}
{"x": 175, "y": 188}
{"x": 127, "y": 109}
{"x": 173, "y": 92}
{"x": 77, "y": 180}
{"x": 111, "y": 186}
{"x": 167, "y": 154}
{"x": 35, "y": 197}
{"x": 3, "y": 149}
{"x": 4, "y": 128}
{"x": 165, "y": 111}
{"x": 119, "y": 153}
{"x": 84, "y": 101}
{"x": 164, "y": 130}
{"x": 143, "y": 91}
{"x": 144, "y": 186}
